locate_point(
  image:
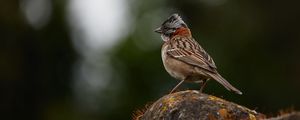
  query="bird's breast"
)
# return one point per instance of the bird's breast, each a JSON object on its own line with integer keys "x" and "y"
{"x": 174, "y": 67}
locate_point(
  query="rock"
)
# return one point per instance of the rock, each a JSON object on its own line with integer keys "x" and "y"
{"x": 192, "y": 105}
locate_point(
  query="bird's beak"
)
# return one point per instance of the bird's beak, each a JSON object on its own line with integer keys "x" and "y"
{"x": 158, "y": 30}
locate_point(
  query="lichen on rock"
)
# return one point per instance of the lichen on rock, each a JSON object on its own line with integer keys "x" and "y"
{"x": 192, "y": 105}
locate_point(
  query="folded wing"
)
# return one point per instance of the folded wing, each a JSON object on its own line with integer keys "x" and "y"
{"x": 190, "y": 52}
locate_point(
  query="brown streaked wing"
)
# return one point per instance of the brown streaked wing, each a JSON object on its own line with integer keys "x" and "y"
{"x": 202, "y": 52}
{"x": 189, "y": 51}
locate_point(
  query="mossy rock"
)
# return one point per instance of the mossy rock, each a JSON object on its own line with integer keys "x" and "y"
{"x": 192, "y": 105}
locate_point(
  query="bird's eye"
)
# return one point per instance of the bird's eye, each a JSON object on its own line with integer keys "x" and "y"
{"x": 164, "y": 29}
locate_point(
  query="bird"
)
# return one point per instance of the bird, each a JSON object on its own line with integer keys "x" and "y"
{"x": 183, "y": 57}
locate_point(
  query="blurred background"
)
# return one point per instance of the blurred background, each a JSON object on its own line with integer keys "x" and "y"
{"x": 100, "y": 59}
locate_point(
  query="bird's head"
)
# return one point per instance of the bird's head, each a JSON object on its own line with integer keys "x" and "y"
{"x": 174, "y": 25}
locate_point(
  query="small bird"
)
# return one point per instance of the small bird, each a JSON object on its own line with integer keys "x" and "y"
{"x": 184, "y": 58}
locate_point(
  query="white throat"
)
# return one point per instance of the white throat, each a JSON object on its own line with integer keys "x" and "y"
{"x": 165, "y": 38}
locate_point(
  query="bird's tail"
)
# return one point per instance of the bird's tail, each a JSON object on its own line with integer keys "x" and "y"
{"x": 224, "y": 82}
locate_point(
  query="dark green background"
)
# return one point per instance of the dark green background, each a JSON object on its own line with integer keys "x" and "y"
{"x": 255, "y": 44}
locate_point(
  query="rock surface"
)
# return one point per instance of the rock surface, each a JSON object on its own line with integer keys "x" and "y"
{"x": 192, "y": 105}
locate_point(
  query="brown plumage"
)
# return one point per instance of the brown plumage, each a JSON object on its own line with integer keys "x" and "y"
{"x": 184, "y": 58}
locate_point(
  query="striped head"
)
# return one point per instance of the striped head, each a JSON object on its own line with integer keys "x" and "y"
{"x": 172, "y": 26}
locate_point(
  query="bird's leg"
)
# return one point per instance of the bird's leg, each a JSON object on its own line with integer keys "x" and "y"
{"x": 176, "y": 86}
{"x": 202, "y": 85}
